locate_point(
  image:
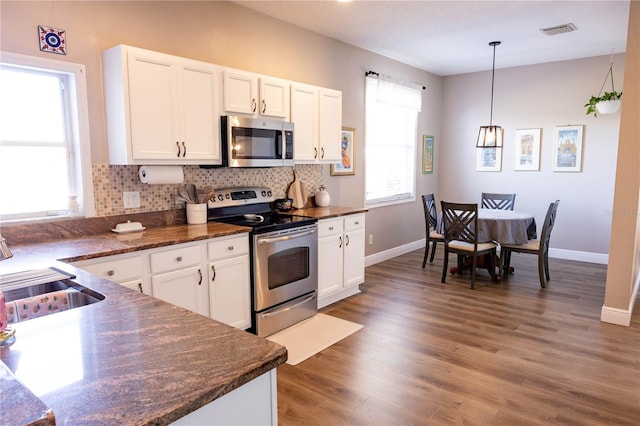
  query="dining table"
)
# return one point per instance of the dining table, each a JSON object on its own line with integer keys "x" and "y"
{"x": 502, "y": 227}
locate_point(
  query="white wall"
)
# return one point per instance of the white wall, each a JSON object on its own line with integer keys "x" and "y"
{"x": 540, "y": 96}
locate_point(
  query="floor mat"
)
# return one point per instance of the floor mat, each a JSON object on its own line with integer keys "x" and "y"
{"x": 312, "y": 335}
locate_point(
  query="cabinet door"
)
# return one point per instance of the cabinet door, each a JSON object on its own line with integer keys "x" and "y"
{"x": 230, "y": 291}
{"x": 199, "y": 113}
{"x": 304, "y": 115}
{"x": 330, "y": 264}
{"x": 274, "y": 97}
{"x": 240, "y": 92}
{"x": 185, "y": 288}
{"x": 152, "y": 106}
{"x": 353, "y": 257}
{"x": 330, "y": 127}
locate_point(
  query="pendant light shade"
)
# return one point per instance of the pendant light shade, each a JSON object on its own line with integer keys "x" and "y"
{"x": 491, "y": 136}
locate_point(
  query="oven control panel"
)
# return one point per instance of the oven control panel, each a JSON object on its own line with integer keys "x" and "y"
{"x": 229, "y": 197}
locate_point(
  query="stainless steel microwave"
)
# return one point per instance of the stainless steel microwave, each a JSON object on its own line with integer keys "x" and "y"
{"x": 255, "y": 142}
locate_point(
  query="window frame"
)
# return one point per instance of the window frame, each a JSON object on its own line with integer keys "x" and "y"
{"x": 408, "y": 197}
{"x": 78, "y": 129}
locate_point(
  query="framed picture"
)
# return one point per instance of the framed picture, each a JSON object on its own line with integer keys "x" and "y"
{"x": 567, "y": 150}
{"x": 347, "y": 166}
{"x": 427, "y": 154}
{"x": 527, "y": 152}
{"x": 488, "y": 159}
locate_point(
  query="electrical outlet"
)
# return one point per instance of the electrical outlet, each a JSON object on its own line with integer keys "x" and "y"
{"x": 131, "y": 200}
{"x": 370, "y": 239}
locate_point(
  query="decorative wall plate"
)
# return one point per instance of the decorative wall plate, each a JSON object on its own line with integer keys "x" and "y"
{"x": 52, "y": 40}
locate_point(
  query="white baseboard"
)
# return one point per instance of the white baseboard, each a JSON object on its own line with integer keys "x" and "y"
{"x": 393, "y": 252}
{"x": 620, "y": 316}
{"x": 580, "y": 256}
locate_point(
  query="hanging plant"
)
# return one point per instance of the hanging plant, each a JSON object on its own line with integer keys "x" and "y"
{"x": 607, "y": 103}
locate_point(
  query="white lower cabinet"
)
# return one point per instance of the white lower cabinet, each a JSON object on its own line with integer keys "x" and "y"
{"x": 126, "y": 270}
{"x": 229, "y": 281}
{"x": 254, "y": 403}
{"x": 340, "y": 257}
{"x": 209, "y": 277}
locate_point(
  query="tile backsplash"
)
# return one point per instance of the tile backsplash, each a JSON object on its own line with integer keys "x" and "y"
{"x": 109, "y": 182}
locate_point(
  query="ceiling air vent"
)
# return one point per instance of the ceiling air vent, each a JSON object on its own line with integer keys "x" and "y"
{"x": 559, "y": 29}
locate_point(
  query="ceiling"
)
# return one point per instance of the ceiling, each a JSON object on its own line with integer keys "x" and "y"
{"x": 452, "y": 37}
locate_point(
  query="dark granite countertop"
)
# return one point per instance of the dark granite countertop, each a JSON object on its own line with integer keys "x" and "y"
{"x": 328, "y": 212}
{"x": 130, "y": 358}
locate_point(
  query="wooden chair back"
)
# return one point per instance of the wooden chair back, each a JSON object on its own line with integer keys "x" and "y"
{"x": 547, "y": 226}
{"x": 430, "y": 212}
{"x": 498, "y": 201}
{"x": 460, "y": 222}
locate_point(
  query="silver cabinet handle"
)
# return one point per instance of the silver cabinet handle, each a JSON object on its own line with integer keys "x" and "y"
{"x": 315, "y": 153}
{"x": 111, "y": 273}
{"x": 264, "y": 106}
{"x": 253, "y": 105}
{"x": 178, "y": 145}
{"x": 179, "y": 258}
{"x": 213, "y": 270}
{"x": 322, "y": 149}
{"x": 230, "y": 248}
{"x": 184, "y": 149}
{"x": 340, "y": 241}
{"x": 346, "y": 237}
{"x": 200, "y": 281}
{"x": 140, "y": 287}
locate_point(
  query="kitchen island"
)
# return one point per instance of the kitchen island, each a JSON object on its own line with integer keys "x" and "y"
{"x": 130, "y": 358}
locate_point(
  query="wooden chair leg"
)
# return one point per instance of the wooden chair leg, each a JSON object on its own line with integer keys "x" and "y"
{"x": 546, "y": 265}
{"x": 541, "y": 270}
{"x": 474, "y": 264}
{"x": 445, "y": 264}
{"x": 426, "y": 253}
{"x": 433, "y": 250}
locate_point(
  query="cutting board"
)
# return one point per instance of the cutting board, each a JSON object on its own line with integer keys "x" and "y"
{"x": 297, "y": 192}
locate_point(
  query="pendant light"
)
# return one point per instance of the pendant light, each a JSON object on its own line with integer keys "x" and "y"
{"x": 491, "y": 136}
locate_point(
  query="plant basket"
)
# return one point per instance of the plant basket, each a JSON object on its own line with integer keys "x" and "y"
{"x": 608, "y": 107}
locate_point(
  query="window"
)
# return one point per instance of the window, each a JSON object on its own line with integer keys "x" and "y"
{"x": 44, "y": 139}
{"x": 390, "y": 138}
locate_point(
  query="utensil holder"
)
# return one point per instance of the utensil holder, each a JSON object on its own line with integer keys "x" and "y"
{"x": 196, "y": 213}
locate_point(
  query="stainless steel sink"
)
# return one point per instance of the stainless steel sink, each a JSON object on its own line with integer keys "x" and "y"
{"x": 77, "y": 295}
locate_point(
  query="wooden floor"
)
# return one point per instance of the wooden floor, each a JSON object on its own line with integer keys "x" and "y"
{"x": 502, "y": 354}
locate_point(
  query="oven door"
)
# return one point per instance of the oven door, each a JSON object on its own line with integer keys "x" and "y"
{"x": 285, "y": 265}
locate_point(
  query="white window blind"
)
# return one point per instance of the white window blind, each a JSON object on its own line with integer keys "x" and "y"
{"x": 390, "y": 138}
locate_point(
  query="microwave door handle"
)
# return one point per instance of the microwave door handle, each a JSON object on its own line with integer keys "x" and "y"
{"x": 279, "y": 142}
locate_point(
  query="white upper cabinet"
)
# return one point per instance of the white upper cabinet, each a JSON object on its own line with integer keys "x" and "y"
{"x": 161, "y": 109}
{"x": 330, "y": 125}
{"x": 304, "y": 115}
{"x": 317, "y": 115}
{"x": 251, "y": 94}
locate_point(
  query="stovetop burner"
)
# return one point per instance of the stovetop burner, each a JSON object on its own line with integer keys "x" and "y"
{"x": 251, "y": 207}
{"x": 268, "y": 221}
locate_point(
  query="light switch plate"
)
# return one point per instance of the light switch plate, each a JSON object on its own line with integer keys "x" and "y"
{"x": 131, "y": 200}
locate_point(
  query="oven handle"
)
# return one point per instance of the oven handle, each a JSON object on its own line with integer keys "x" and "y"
{"x": 288, "y": 308}
{"x": 285, "y": 237}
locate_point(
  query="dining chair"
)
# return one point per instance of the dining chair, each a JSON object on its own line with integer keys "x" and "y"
{"x": 498, "y": 201}
{"x": 430, "y": 224}
{"x": 539, "y": 247}
{"x": 460, "y": 223}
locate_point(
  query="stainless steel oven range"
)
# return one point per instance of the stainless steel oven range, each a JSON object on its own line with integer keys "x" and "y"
{"x": 284, "y": 257}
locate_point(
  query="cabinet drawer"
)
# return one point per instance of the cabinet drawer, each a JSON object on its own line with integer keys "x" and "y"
{"x": 228, "y": 247}
{"x": 329, "y": 227}
{"x": 120, "y": 270}
{"x": 174, "y": 259}
{"x": 353, "y": 222}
